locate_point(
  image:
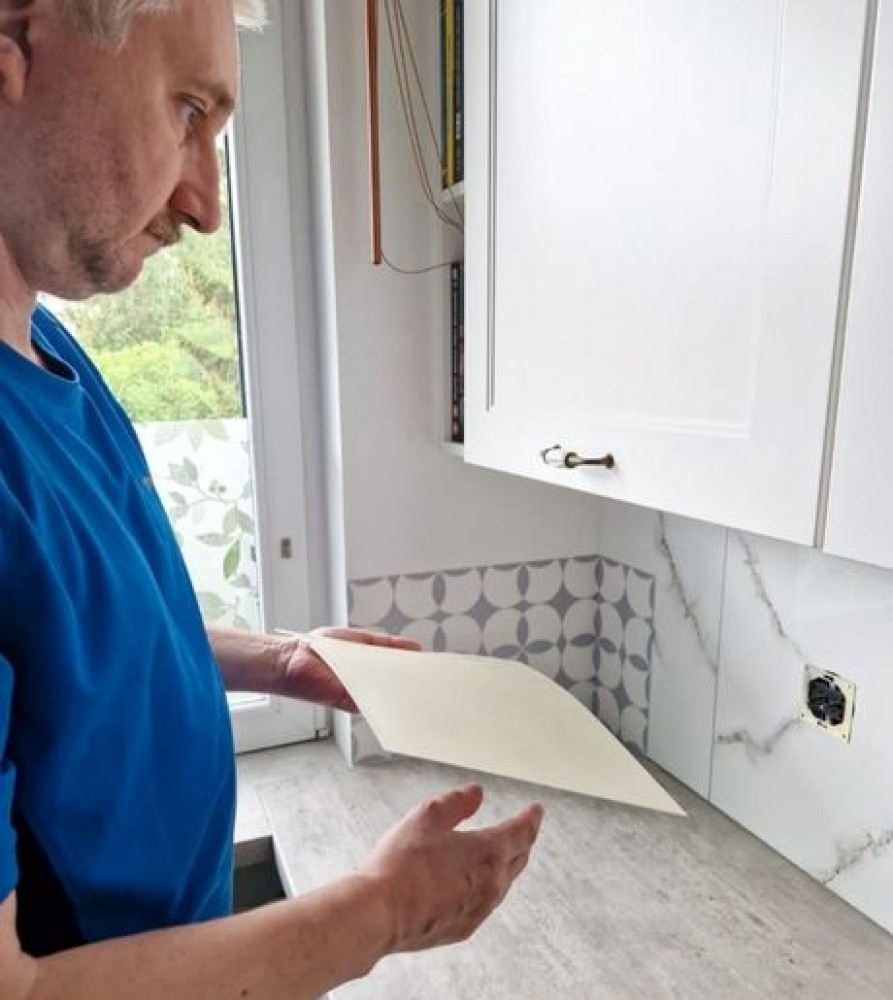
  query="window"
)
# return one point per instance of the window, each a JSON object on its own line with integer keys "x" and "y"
{"x": 202, "y": 352}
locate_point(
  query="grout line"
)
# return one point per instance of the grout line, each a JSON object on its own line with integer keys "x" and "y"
{"x": 718, "y": 660}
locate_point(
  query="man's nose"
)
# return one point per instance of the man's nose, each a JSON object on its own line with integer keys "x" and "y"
{"x": 196, "y": 198}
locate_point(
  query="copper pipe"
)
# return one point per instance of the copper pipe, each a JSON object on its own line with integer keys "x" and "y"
{"x": 374, "y": 157}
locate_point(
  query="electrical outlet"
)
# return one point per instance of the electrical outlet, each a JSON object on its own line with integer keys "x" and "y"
{"x": 828, "y": 702}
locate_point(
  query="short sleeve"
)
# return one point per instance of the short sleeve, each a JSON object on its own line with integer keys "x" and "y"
{"x": 9, "y": 872}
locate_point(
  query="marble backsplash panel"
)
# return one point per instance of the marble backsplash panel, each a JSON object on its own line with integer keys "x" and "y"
{"x": 737, "y": 618}
{"x": 826, "y": 805}
{"x": 586, "y": 622}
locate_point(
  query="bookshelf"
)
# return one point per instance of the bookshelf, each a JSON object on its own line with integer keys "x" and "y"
{"x": 452, "y": 202}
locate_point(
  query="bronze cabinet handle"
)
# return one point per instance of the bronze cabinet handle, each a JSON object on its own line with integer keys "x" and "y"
{"x": 558, "y": 458}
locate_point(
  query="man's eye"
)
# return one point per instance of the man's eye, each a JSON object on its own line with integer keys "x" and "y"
{"x": 193, "y": 114}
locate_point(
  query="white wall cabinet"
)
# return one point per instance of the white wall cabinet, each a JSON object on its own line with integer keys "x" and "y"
{"x": 657, "y": 212}
{"x": 860, "y": 504}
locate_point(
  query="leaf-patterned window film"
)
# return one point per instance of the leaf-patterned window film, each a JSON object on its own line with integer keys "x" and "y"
{"x": 202, "y": 471}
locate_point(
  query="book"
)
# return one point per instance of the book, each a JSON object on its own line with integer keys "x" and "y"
{"x": 458, "y": 92}
{"x": 447, "y": 91}
{"x": 457, "y": 352}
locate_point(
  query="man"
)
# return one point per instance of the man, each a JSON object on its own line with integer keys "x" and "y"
{"x": 116, "y": 771}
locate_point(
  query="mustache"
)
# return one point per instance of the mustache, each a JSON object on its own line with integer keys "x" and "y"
{"x": 165, "y": 230}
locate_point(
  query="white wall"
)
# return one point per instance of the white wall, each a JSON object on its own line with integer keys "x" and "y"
{"x": 408, "y": 506}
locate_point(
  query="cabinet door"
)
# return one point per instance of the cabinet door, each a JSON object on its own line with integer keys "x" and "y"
{"x": 657, "y": 198}
{"x": 860, "y": 505}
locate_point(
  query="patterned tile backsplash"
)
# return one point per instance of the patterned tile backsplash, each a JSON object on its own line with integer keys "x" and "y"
{"x": 587, "y": 622}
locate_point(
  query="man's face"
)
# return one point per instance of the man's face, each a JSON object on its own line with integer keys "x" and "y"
{"x": 113, "y": 152}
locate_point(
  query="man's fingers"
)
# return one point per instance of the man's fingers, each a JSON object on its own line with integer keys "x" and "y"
{"x": 347, "y": 704}
{"x": 515, "y": 835}
{"x": 402, "y": 642}
{"x": 369, "y": 638}
{"x": 449, "y": 810}
{"x": 519, "y": 833}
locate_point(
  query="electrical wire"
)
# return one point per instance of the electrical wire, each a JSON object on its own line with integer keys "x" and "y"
{"x": 404, "y": 60}
{"x": 415, "y": 270}
{"x": 401, "y": 44}
{"x": 432, "y": 131}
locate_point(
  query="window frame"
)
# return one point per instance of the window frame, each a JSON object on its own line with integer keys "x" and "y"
{"x": 270, "y": 168}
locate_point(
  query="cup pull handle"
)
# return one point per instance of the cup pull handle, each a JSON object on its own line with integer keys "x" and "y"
{"x": 558, "y": 458}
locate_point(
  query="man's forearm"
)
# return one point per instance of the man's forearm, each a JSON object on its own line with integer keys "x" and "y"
{"x": 248, "y": 661}
{"x": 294, "y": 950}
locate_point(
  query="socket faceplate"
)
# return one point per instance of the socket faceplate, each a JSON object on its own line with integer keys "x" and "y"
{"x": 828, "y": 702}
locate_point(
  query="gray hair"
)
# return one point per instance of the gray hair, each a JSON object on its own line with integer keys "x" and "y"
{"x": 107, "y": 21}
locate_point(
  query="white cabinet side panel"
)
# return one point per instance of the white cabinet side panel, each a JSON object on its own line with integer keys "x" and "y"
{"x": 860, "y": 506}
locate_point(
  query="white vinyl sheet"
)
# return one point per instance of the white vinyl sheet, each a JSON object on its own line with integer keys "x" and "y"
{"x": 492, "y": 715}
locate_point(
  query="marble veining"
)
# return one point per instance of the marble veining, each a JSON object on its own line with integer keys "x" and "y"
{"x": 848, "y": 857}
{"x": 764, "y": 747}
{"x": 676, "y": 586}
{"x": 752, "y": 562}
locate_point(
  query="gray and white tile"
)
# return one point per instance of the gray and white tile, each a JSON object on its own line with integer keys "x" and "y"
{"x": 586, "y": 622}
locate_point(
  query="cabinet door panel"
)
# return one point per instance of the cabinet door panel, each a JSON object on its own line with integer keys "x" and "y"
{"x": 667, "y": 206}
{"x": 860, "y": 506}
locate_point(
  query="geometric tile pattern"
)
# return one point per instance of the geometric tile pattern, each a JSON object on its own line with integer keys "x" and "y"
{"x": 586, "y": 622}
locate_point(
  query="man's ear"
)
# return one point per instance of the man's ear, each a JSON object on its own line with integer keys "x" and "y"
{"x": 15, "y": 48}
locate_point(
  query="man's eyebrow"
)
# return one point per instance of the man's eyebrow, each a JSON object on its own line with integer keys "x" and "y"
{"x": 219, "y": 96}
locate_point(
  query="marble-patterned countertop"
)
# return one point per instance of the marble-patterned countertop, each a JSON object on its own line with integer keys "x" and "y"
{"x": 617, "y": 902}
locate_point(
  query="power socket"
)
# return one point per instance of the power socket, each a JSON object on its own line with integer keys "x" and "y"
{"x": 828, "y": 702}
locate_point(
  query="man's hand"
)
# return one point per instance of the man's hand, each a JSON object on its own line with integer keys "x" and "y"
{"x": 443, "y": 883}
{"x": 287, "y": 665}
{"x": 304, "y": 674}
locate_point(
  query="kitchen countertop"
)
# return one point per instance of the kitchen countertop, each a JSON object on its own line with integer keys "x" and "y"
{"x": 617, "y": 902}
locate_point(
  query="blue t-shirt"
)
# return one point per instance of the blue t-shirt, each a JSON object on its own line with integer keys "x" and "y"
{"x": 116, "y": 757}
